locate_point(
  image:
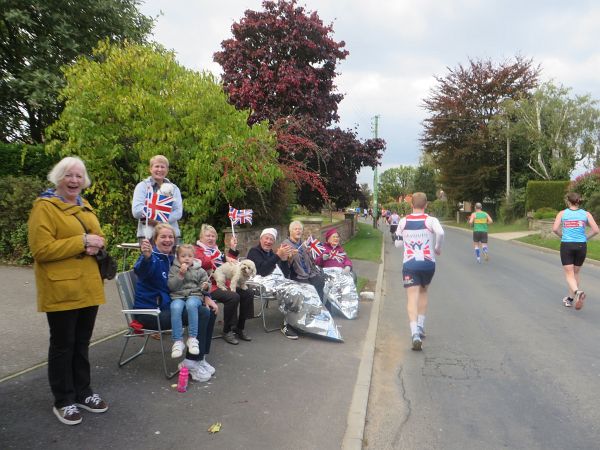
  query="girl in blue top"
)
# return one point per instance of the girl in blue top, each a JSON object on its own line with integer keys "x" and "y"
{"x": 570, "y": 225}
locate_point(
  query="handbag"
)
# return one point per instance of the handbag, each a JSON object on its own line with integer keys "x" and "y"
{"x": 106, "y": 264}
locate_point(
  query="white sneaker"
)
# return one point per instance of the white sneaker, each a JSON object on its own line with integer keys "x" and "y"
{"x": 192, "y": 344}
{"x": 177, "y": 349}
{"x": 210, "y": 369}
{"x": 197, "y": 372}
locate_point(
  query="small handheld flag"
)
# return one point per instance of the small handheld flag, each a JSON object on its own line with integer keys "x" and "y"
{"x": 158, "y": 207}
{"x": 315, "y": 246}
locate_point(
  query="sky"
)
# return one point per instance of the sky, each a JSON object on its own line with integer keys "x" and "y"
{"x": 398, "y": 47}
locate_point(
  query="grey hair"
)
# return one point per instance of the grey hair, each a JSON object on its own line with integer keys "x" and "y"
{"x": 59, "y": 171}
{"x": 206, "y": 227}
{"x": 294, "y": 223}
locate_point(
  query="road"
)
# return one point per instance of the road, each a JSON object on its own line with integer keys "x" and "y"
{"x": 504, "y": 364}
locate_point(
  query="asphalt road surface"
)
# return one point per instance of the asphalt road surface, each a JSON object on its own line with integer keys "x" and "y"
{"x": 504, "y": 364}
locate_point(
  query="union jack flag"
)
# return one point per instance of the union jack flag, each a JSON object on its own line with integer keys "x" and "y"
{"x": 338, "y": 255}
{"x": 315, "y": 246}
{"x": 158, "y": 207}
{"x": 240, "y": 216}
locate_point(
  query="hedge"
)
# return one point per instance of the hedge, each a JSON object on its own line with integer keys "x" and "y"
{"x": 546, "y": 194}
{"x": 25, "y": 160}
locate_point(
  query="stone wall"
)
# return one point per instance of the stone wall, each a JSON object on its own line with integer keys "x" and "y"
{"x": 248, "y": 237}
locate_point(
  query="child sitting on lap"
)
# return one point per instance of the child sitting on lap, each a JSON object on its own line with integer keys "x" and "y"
{"x": 188, "y": 283}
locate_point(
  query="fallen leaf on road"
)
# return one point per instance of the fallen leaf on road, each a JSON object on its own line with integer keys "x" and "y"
{"x": 215, "y": 427}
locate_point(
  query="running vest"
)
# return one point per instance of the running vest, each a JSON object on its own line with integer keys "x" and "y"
{"x": 480, "y": 223}
{"x": 418, "y": 242}
{"x": 573, "y": 225}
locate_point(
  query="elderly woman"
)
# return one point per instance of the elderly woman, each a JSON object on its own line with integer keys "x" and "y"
{"x": 159, "y": 168}
{"x": 208, "y": 252}
{"x": 69, "y": 286}
{"x": 334, "y": 254}
{"x": 303, "y": 268}
{"x": 152, "y": 269}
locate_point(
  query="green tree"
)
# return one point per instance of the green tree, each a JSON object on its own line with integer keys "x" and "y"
{"x": 37, "y": 37}
{"x": 131, "y": 102}
{"x": 396, "y": 182}
{"x": 424, "y": 181}
{"x": 561, "y": 129}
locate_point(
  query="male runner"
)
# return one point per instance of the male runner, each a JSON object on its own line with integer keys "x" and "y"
{"x": 417, "y": 231}
{"x": 480, "y": 220}
{"x": 394, "y": 220}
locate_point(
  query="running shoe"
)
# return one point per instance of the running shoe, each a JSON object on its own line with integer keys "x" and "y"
{"x": 568, "y": 303}
{"x": 416, "y": 342}
{"x": 486, "y": 257}
{"x": 579, "y": 299}
{"x": 421, "y": 332}
{"x": 478, "y": 260}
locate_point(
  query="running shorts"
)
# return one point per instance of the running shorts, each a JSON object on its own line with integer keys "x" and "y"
{"x": 573, "y": 253}
{"x": 417, "y": 277}
{"x": 393, "y": 228}
{"x": 480, "y": 236}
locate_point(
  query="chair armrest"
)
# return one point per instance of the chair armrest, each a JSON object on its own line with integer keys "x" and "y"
{"x": 150, "y": 312}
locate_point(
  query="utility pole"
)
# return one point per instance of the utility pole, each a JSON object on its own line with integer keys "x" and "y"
{"x": 375, "y": 180}
{"x": 507, "y": 159}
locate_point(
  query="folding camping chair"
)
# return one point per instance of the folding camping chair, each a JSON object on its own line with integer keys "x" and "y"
{"x": 126, "y": 287}
{"x": 264, "y": 298}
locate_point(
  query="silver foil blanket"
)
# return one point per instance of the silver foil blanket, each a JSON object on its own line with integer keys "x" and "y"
{"x": 340, "y": 291}
{"x": 301, "y": 305}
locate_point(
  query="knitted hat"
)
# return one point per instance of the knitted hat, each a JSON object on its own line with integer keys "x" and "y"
{"x": 330, "y": 233}
{"x": 271, "y": 231}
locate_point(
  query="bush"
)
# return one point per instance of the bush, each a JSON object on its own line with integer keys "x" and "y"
{"x": 592, "y": 205}
{"x": 402, "y": 208}
{"x": 514, "y": 208}
{"x": 23, "y": 159}
{"x": 545, "y": 213}
{"x": 549, "y": 194}
{"x": 16, "y": 201}
{"x": 439, "y": 209}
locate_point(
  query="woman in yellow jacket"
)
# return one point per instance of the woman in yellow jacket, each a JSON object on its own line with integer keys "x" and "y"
{"x": 64, "y": 236}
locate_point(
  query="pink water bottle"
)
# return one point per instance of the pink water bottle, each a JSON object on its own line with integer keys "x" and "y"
{"x": 183, "y": 379}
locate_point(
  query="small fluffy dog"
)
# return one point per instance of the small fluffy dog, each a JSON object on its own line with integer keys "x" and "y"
{"x": 237, "y": 273}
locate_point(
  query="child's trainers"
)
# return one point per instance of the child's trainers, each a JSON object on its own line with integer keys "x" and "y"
{"x": 94, "y": 404}
{"x": 69, "y": 415}
{"x": 177, "y": 349}
{"x": 193, "y": 347}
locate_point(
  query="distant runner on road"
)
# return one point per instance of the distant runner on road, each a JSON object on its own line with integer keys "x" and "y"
{"x": 394, "y": 220}
{"x": 480, "y": 220}
{"x": 418, "y": 231}
{"x": 570, "y": 225}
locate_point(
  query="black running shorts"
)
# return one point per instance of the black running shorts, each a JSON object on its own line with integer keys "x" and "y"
{"x": 417, "y": 277}
{"x": 480, "y": 236}
{"x": 573, "y": 253}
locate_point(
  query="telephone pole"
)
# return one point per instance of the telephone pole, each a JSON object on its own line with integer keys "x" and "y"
{"x": 375, "y": 180}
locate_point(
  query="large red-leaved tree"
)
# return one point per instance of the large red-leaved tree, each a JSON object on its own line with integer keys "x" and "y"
{"x": 280, "y": 64}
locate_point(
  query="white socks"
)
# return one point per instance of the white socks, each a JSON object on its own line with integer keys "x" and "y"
{"x": 421, "y": 321}
{"x": 413, "y": 328}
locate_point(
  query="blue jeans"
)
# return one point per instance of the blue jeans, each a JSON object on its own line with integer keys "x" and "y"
{"x": 191, "y": 305}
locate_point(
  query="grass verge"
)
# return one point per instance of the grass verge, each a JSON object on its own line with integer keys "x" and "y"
{"x": 360, "y": 284}
{"x": 519, "y": 225}
{"x": 366, "y": 244}
{"x": 593, "y": 247}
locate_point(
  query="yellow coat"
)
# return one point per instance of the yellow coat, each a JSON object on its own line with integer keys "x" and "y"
{"x": 65, "y": 277}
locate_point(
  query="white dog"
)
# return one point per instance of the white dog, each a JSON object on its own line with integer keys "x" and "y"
{"x": 237, "y": 273}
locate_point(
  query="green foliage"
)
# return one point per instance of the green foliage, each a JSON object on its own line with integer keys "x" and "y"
{"x": 546, "y": 193}
{"x": 18, "y": 194}
{"x": 23, "y": 159}
{"x": 37, "y": 37}
{"x": 396, "y": 182}
{"x": 514, "y": 208}
{"x": 366, "y": 244}
{"x": 131, "y": 102}
{"x": 440, "y": 209}
{"x": 424, "y": 181}
{"x": 592, "y": 204}
{"x": 402, "y": 208}
{"x": 545, "y": 213}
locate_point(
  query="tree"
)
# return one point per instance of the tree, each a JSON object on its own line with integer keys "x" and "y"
{"x": 468, "y": 152}
{"x": 561, "y": 130}
{"x": 396, "y": 182}
{"x": 280, "y": 64}
{"x": 37, "y": 37}
{"x": 424, "y": 181}
{"x": 131, "y": 102}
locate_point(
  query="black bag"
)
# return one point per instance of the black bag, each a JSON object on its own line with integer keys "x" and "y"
{"x": 106, "y": 265}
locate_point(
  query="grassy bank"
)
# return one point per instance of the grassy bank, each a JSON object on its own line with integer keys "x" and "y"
{"x": 366, "y": 244}
{"x": 593, "y": 247}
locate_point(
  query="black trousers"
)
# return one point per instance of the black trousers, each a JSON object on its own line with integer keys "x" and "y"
{"x": 206, "y": 325}
{"x": 231, "y": 300}
{"x": 68, "y": 361}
